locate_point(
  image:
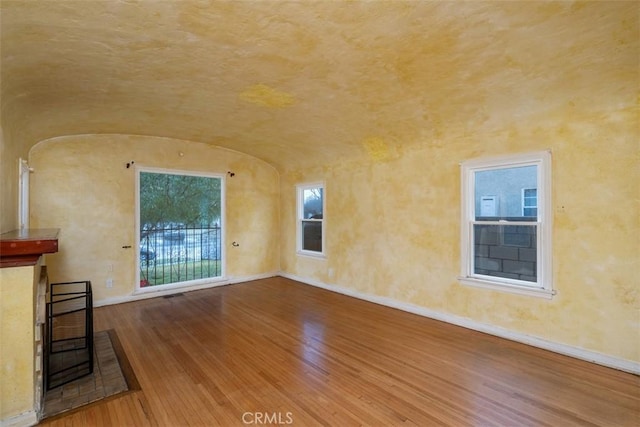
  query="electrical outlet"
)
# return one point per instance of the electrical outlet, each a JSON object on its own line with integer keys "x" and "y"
{"x": 109, "y": 283}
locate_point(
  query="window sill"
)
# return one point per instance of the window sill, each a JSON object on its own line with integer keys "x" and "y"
{"x": 172, "y": 287}
{"x": 310, "y": 254}
{"x": 506, "y": 287}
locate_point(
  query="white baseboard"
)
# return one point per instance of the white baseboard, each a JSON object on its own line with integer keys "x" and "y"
{"x": 162, "y": 292}
{"x": 25, "y": 419}
{"x": 568, "y": 350}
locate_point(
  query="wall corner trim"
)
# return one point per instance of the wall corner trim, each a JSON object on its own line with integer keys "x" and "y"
{"x": 25, "y": 419}
{"x": 567, "y": 350}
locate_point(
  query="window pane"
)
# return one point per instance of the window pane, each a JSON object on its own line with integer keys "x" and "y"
{"x": 530, "y": 194}
{"x": 507, "y": 251}
{"x": 312, "y": 236}
{"x": 312, "y": 203}
{"x": 498, "y": 193}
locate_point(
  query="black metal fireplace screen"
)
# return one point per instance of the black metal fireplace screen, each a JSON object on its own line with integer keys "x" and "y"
{"x": 69, "y": 333}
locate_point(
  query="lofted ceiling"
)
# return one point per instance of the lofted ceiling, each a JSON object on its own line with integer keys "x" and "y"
{"x": 306, "y": 82}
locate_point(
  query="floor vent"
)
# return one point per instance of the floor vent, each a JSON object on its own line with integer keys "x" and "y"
{"x": 173, "y": 295}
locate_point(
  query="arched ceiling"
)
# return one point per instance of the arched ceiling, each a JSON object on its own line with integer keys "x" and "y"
{"x": 298, "y": 83}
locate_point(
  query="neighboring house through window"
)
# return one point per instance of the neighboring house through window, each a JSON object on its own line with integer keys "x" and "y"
{"x": 506, "y": 223}
{"x": 310, "y": 224}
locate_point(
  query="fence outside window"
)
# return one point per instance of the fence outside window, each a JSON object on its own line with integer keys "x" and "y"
{"x": 179, "y": 253}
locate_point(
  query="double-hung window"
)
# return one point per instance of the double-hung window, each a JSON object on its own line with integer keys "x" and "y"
{"x": 310, "y": 224}
{"x": 506, "y": 224}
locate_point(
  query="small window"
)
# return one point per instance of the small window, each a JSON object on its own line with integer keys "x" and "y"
{"x": 530, "y": 202}
{"x": 506, "y": 224}
{"x": 311, "y": 219}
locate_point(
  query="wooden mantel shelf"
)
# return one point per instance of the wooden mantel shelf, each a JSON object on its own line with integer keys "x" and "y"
{"x": 24, "y": 247}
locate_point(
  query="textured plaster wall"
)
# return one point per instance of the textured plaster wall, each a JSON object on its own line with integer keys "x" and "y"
{"x": 381, "y": 100}
{"x": 393, "y": 230}
{"x": 9, "y": 155}
{"x": 17, "y": 340}
{"x": 297, "y": 83}
{"x": 82, "y": 186}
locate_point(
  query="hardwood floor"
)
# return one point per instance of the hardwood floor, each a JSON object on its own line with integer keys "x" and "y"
{"x": 275, "y": 351}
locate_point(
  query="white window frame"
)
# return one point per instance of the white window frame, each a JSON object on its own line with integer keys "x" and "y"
{"x": 300, "y": 188}
{"x": 23, "y": 193}
{"x": 223, "y": 222}
{"x": 544, "y": 285}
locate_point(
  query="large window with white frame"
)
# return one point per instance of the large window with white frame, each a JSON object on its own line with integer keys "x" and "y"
{"x": 180, "y": 221}
{"x": 506, "y": 223}
{"x": 310, "y": 223}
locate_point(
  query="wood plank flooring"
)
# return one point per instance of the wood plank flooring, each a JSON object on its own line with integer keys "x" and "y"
{"x": 275, "y": 351}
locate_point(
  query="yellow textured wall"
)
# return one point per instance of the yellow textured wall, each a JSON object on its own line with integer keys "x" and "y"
{"x": 393, "y": 229}
{"x": 16, "y": 341}
{"x": 82, "y": 186}
{"x": 9, "y": 155}
{"x": 381, "y": 100}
